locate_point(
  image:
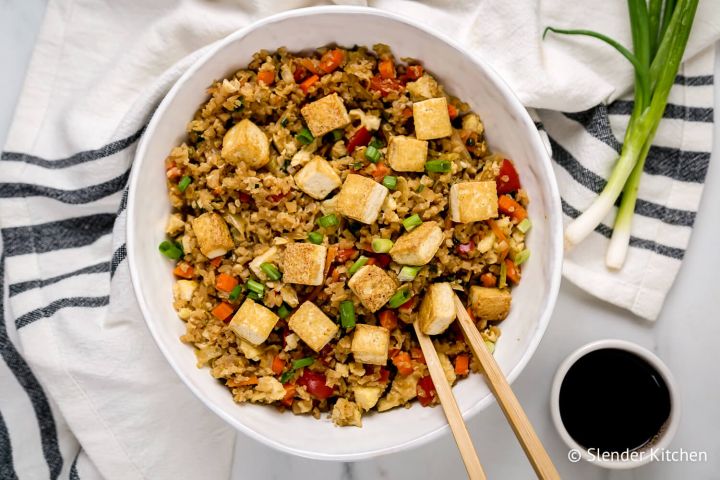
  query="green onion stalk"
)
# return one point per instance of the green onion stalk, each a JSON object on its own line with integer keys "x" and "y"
{"x": 660, "y": 32}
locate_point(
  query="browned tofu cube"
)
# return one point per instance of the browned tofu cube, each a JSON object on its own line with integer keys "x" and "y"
{"x": 253, "y": 322}
{"x": 372, "y": 286}
{"x": 437, "y": 310}
{"x": 490, "y": 304}
{"x": 361, "y": 198}
{"x": 312, "y": 326}
{"x": 432, "y": 119}
{"x": 407, "y": 154}
{"x": 304, "y": 263}
{"x": 419, "y": 246}
{"x": 317, "y": 178}
{"x": 246, "y": 142}
{"x": 473, "y": 201}
{"x": 325, "y": 115}
{"x": 212, "y": 234}
{"x": 370, "y": 344}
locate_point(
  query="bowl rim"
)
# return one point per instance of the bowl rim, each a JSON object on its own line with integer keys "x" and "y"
{"x": 613, "y": 343}
{"x": 542, "y": 160}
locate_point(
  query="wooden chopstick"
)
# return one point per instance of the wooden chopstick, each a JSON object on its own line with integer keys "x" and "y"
{"x": 524, "y": 431}
{"x": 452, "y": 412}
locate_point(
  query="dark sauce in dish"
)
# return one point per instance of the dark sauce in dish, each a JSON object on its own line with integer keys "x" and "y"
{"x": 612, "y": 400}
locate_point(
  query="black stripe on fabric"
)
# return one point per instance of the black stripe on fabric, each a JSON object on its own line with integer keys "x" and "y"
{"x": 73, "y": 468}
{"x": 17, "y": 288}
{"x": 117, "y": 258}
{"x": 681, "y": 112}
{"x": 78, "y": 158}
{"x": 596, "y": 183}
{"x": 54, "y": 307}
{"x": 694, "y": 81}
{"x": 606, "y": 231}
{"x": 38, "y": 400}
{"x": 46, "y": 237}
{"x": 7, "y": 469}
{"x": 682, "y": 165}
{"x": 123, "y": 200}
{"x": 73, "y": 197}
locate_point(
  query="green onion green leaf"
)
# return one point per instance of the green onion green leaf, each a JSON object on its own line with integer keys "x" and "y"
{"x": 305, "y": 137}
{"x": 372, "y": 154}
{"x": 316, "y": 238}
{"x": 381, "y": 245}
{"x": 347, "y": 314}
{"x": 359, "y": 263}
{"x": 171, "y": 250}
{"x": 408, "y": 274}
{"x": 412, "y": 222}
{"x": 525, "y": 225}
{"x": 235, "y": 292}
{"x": 271, "y": 271}
{"x": 283, "y": 311}
{"x": 521, "y": 257}
{"x": 255, "y": 287}
{"x": 399, "y": 298}
{"x": 303, "y": 362}
{"x": 390, "y": 182}
{"x": 328, "y": 221}
{"x": 184, "y": 183}
{"x": 438, "y": 166}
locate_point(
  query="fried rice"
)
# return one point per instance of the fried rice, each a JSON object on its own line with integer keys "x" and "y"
{"x": 294, "y": 197}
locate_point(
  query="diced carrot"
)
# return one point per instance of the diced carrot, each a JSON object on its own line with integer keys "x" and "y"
{"x": 266, "y": 76}
{"x": 289, "y": 394}
{"x": 215, "y": 262}
{"x": 512, "y": 272}
{"x": 462, "y": 364}
{"x": 402, "y": 361}
{"x": 278, "y": 364}
{"x": 417, "y": 354}
{"x": 488, "y": 279}
{"x": 386, "y": 68}
{"x": 250, "y": 381}
{"x": 310, "y": 64}
{"x": 344, "y": 254}
{"x": 406, "y": 113}
{"x": 225, "y": 282}
{"x": 331, "y": 60}
{"x": 414, "y": 72}
{"x": 452, "y": 111}
{"x": 499, "y": 234}
{"x": 508, "y": 206}
{"x": 388, "y": 319}
{"x": 222, "y": 311}
{"x": 380, "y": 171}
{"x": 184, "y": 270}
{"x": 309, "y": 82}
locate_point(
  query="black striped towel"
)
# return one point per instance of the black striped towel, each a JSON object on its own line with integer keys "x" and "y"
{"x": 85, "y": 393}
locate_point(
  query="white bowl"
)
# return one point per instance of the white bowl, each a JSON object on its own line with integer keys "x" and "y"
{"x": 509, "y": 129}
{"x": 640, "y": 456}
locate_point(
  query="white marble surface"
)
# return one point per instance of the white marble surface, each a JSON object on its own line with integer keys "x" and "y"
{"x": 685, "y": 337}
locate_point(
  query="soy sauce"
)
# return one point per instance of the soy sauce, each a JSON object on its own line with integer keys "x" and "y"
{"x": 613, "y": 400}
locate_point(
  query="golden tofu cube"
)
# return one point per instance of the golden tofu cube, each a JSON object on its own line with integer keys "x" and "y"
{"x": 317, "y": 178}
{"x": 473, "y": 201}
{"x": 304, "y": 263}
{"x": 490, "y": 304}
{"x": 246, "y": 142}
{"x": 212, "y": 234}
{"x": 346, "y": 413}
{"x": 437, "y": 310}
{"x": 407, "y": 154}
{"x": 367, "y": 397}
{"x": 419, "y": 246}
{"x": 183, "y": 290}
{"x": 325, "y": 115}
{"x": 253, "y": 322}
{"x": 372, "y": 286}
{"x": 270, "y": 256}
{"x": 361, "y": 198}
{"x": 312, "y": 326}
{"x": 432, "y": 119}
{"x": 370, "y": 344}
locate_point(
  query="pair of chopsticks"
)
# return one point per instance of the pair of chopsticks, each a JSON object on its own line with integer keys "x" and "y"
{"x": 499, "y": 386}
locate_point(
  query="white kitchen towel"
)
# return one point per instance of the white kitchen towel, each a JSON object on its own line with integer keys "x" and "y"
{"x": 85, "y": 393}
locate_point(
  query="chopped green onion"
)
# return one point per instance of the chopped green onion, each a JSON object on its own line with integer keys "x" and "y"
{"x": 412, "y": 222}
{"x": 271, "y": 271}
{"x": 170, "y": 249}
{"x": 356, "y": 166}
{"x": 372, "y": 154}
{"x": 390, "y": 181}
{"x": 183, "y": 183}
{"x": 316, "y": 238}
{"x": 283, "y": 311}
{"x": 438, "y": 166}
{"x": 256, "y": 287}
{"x": 490, "y": 346}
{"x": 502, "y": 282}
{"x": 303, "y": 362}
{"x": 285, "y": 377}
{"x": 328, "y": 221}
{"x": 338, "y": 134}
{"x": 399, "y": 298}
{"x": 235, "y": 292}
{"x": 238, "y": 104}
{"x": 381, "y": 245}
{"x": 525, "y": 225}
{"x": 347, "y": 314}
{"x": 254, "y": 296}
{"x": 376, "y": 142}
{"x": 283, "y": 121}
{"x": 305, "y": 137}
{"x": 521, "y": 257}
{"x": 359, "y": 263}
{"x": 420, "y": 188}
{"x": 408, "y": 274}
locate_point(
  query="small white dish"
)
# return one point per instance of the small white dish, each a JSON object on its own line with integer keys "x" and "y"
{"x": 509, "y": 129}
{"x": 642, "y": 455}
